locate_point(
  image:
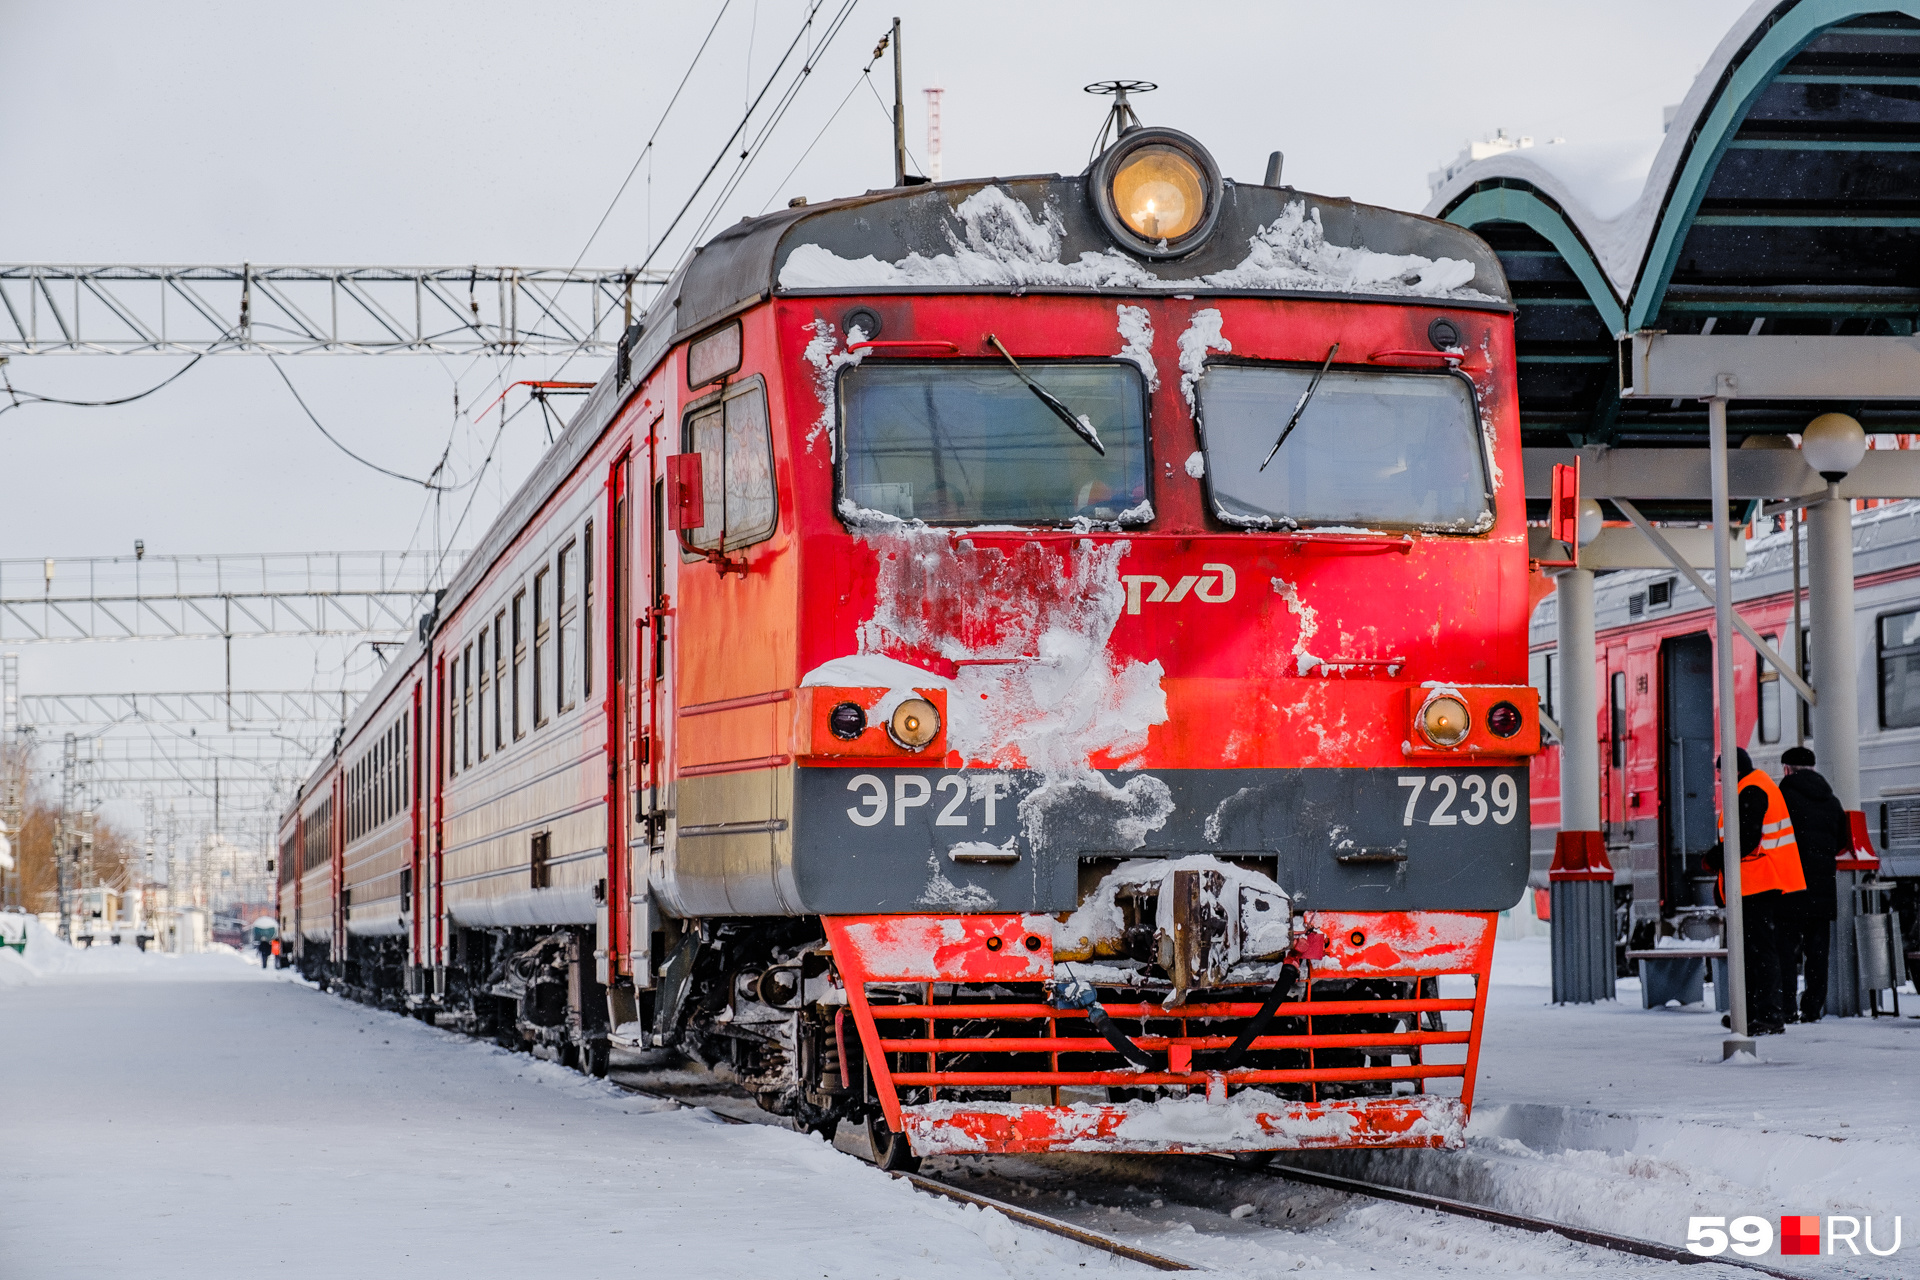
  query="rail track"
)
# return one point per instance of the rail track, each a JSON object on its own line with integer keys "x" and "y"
{"x": 1629, "y": 1245}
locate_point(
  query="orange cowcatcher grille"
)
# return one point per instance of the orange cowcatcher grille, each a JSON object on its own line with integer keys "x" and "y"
{"x": 965, "y": 1054}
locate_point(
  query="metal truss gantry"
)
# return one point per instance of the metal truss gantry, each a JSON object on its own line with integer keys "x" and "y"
{"x": 242, "y": 706}
{"x": 218, "y": 597}
{"x": 53, "y": 308}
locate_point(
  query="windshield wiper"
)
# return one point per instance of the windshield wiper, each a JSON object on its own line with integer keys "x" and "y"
{"x": 1080, "y": 424}
{"x": 1301, "y": 408}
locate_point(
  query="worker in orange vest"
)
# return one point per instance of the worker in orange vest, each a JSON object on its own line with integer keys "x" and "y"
{"x": 1769, "y": 869}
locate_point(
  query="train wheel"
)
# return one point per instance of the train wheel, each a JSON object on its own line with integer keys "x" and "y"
{"x": 595, "y": 1057}
{"x": 890, "y": 1149}
{"x": 825, "y": 1128}
{"x": 1254, "y": 1159}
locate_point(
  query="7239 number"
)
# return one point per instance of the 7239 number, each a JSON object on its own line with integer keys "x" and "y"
{"x": 1469, "y": 799}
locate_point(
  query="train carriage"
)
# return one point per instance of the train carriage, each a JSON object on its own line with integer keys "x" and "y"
{"x": 1657, "y": 710}
{"x": 1022, "y": 664}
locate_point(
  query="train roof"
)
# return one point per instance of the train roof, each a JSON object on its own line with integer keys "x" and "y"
{"x": 1884, "y": 538}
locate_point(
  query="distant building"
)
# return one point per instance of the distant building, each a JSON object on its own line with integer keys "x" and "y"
{"x": 1498, "y": 144}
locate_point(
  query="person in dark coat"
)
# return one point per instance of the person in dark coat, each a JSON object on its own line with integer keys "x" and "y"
{"x": 1767, "y": 1001}
{"x": 1805, "y": 926}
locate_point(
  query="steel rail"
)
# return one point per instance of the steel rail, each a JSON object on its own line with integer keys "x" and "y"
{"x": 933, "y": 1186}
{"x": 1502, "y": 1218}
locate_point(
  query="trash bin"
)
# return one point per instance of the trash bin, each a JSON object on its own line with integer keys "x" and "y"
{"x": 1880, "y": 954}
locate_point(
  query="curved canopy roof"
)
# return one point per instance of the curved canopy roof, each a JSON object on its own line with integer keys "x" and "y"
{"x": 1783, "y": 199}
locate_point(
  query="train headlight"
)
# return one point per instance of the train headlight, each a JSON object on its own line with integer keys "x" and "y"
{"x": 1157, "y": 191}
{"x": 915, "y": 723}
{"x": 1444, "y": 720}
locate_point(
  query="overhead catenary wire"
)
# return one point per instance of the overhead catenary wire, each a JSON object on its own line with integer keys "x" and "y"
{"x": 17, "y": 398}
{"x": 646, "y": 150}
{"x": 726, "y": 148}
{"x": 760, "y": 139}
{"x": 335, "y": 440}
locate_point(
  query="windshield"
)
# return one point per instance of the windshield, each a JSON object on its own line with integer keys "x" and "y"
{"x": 971, "y": 443}
{"x": 1371, "y": 449}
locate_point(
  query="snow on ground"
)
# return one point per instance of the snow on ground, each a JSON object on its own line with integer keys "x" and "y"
{"x": 1625, "y": 1119}
{"x": 165, "y": 1112}
{"x": 157, "y": 1127}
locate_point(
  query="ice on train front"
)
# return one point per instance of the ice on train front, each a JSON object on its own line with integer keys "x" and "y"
{"x": 1161, "y": 734}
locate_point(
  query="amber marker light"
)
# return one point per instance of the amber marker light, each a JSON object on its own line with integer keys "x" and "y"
{"x": 1444, "y": 720}
{"x": 915, "y": 723}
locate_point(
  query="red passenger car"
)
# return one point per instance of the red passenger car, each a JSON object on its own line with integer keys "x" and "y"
{"x": 1030, "y": 664}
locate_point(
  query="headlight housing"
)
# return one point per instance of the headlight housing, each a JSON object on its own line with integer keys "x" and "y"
{"x": 1157, "y": 192}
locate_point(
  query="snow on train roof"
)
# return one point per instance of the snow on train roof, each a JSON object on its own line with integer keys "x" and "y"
{"x": 1613, "y": 193}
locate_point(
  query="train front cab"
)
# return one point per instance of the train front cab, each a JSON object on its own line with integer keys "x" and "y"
{"x": 1143, "y": 715}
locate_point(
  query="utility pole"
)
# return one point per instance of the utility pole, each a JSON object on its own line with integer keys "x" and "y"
{"x": 64, "y": 843}
{"x": 14, "y": 751}
{"x": 899, "y": 115}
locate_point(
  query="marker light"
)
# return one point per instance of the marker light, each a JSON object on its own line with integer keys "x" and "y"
{"x": 1504, "y": 720}
{"x": 1157, "y": 191}
{"x": 847, "y": 721}
{"x": 915, "y": 723}
{"x": 1444, "y": 721}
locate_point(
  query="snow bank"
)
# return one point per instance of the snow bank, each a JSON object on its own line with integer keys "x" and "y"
{"x": 48, "y": 959}
{"x": 996, "y": 241}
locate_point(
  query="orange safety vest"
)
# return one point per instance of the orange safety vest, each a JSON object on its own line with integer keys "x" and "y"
{"x": 1775, "y": 862}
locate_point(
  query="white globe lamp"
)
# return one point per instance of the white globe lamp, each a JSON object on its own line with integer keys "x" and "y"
{"x": 1833, "y": 445}
{"x": 1591, "y": 520}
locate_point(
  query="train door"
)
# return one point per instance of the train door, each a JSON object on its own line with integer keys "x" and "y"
{"x": 1615, "y": 747}
{"x": 1688, "y": 815}
{"x": 648, "y": 628}
{"x": 411, "y": 773}
{"x": 616, "y": 932}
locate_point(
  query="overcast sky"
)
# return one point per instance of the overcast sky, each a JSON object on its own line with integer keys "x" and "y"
{"x": 403, "y": 133}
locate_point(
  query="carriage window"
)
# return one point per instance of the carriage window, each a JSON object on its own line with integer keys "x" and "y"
{"x": 954, "y": 443}
{"x": 1371, "y": 448}
{"x": 586, "y": 611}
{"x": 1769, "y": 682}
{"x": 1900, "y": 670}
{"x": 519, "y": 665}
{"x": 736, "y": 468}
{"x": 499, "y": 677}
{"x": 542, "y": 624}
{"x": 566, "y": 654}
{"x": 485, "y": 683}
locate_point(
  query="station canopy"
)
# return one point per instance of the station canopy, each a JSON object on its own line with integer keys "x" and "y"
{"x": 1784, "y": 198}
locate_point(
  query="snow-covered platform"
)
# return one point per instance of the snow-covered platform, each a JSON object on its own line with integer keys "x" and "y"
{"x": 194, "y": 1116}
{"x": 1626, "y": 1120}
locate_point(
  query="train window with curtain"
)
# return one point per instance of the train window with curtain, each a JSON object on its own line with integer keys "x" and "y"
{"x": 449, "y": 704}
{"x": 1767, "y": 680}
{"x": 484, "y": 686}
{"x": 566, "y": 651}
{"x": 542, "y": 642}
{"x": 586, "y": 611}
{"x": 735, "y": 444}
{"x": 971, "y": 443}
{"x": 499, "y": 677}
{"x": 1369, "y": 449}
{"x": 1900, "y": 670}
{"x": 519, "y": 665}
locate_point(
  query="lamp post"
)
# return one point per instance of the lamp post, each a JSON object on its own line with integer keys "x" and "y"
{"x": 1833, "y": 445}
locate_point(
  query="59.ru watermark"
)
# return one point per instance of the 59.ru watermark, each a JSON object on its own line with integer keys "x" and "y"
{"x": 1802, "y": 1234}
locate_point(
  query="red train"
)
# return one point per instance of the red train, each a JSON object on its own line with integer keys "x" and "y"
{"x": 1023, "y": 664}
